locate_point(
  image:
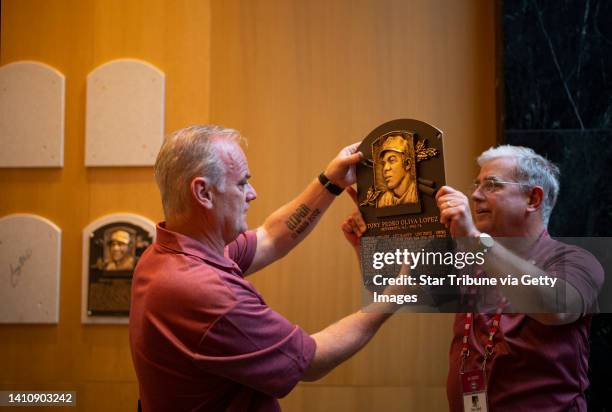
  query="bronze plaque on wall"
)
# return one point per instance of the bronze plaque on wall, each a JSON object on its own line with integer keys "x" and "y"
{"x": 113, "y": 253}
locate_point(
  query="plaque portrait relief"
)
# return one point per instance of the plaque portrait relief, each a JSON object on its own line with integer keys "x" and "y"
{"x": 394, "y": 171}
{"x": 112, "y": 247}
{"x": 398, "y": 179}
{"x": 119, "y": 249}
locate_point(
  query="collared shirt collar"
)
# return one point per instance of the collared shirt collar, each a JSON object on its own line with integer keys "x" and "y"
{"x": 184, "y": 244}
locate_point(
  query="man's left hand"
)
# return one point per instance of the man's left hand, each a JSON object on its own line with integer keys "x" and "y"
{"x": 455, "y": 212}
{"x": 341, "y": 170}
{"x": 353, "y": 226}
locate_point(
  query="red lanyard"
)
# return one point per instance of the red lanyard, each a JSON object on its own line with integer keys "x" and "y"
{"x": 469, "y": 320}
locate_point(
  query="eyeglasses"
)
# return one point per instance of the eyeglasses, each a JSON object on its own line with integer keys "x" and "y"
{"x": 491, "y": 185}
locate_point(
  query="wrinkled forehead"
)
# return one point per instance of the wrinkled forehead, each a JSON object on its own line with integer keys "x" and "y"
{"x": 232, "y": 156}
{"x": 500, "y": 167}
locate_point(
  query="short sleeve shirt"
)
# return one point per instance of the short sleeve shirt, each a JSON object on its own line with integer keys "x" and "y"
{"x": 202, "y": 338}
{"x": 534, "y": 366}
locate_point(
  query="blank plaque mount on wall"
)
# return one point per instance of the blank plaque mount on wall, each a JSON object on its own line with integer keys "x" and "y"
{"x": 30, "y": 249}
{"x": 125, "y": 114}
{"x": 32, "y": 101}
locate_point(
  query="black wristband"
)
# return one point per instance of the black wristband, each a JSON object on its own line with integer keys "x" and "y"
{"x": 334, "y": 189}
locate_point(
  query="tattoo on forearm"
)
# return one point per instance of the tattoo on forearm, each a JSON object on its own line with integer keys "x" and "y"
{"x": 301, "y": 219}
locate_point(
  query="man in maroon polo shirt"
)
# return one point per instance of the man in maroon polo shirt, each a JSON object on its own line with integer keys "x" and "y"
{"x": 202, "y": 338}
{"x": 536, "y": 361}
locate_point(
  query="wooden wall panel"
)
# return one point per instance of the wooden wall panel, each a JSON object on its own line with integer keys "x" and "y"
{"x": 75, "y": 37}
{"x": 300, "y": 79}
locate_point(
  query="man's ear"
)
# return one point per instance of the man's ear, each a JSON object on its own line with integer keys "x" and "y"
{"x": 535, "y": 199}
{"x": 201, "y": 191}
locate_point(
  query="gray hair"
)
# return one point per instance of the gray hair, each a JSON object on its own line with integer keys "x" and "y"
{"x": 185, "y": 154}
{"x": 531, "y": 170}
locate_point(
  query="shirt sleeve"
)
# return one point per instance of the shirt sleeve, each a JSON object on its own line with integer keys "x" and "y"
{"x": 242, "y": 249}
{"x": 256, "y": 347}
{"x": 580, "y": 269}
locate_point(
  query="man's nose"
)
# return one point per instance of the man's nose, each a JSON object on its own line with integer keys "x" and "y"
{"x": 251, "y": 193}
{"x": 477, "y": 194}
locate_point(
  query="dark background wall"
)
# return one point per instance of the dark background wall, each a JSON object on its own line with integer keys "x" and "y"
{"x": 557, "y": 99}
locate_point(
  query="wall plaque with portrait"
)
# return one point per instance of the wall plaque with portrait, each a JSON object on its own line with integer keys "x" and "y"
{"x": 396, "y": 185}
{"x": 112, "y": 247}
{"x": 397, "y": 182}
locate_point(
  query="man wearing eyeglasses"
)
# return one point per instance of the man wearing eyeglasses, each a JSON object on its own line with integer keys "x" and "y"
{"x": 529, "y": 361}
{"x": 531, "y": 351}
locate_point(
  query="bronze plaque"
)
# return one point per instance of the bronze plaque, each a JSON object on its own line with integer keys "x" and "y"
{"x": 396, "y": 185}
{"x": 114, "y": 250}
{"x": 397, "y": 181}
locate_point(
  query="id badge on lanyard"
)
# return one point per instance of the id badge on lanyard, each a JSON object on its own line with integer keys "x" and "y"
{"x": 474, "y": 382}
